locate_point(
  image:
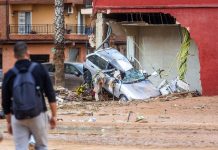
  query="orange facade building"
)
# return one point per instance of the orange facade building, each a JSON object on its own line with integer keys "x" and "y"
{"x": 32, "y": 21}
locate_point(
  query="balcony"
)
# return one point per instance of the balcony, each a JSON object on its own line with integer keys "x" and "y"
{"x": 46, "y": 31}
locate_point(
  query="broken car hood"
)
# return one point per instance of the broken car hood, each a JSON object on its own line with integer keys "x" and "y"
{"x": 140, "y": 90}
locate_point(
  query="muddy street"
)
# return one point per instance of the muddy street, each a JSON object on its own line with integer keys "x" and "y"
{"x": 187, "y": 123}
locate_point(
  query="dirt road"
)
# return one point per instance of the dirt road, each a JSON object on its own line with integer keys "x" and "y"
{"x": 189, "y": 123}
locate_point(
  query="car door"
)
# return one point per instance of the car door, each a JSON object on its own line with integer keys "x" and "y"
{"x": 91, "y": 64}
{"x": 96, "y": 63}
{"x": 73, "y": 78}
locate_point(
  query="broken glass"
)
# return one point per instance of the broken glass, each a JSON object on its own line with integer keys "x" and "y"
{"x": 133, "y": 75}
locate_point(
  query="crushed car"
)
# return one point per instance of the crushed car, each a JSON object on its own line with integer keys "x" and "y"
{"x": 73, "y": 73}
{"x": 121, "y": 79}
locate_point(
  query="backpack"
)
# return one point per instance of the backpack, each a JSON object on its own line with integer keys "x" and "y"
{"x": 27, "y": 97}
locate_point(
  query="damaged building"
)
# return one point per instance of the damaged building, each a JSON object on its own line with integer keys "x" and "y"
{"x": 154, "y": 34}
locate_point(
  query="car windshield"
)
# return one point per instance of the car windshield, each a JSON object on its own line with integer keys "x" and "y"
{"x": 133, "y": 75}
{"x": 79, "y": 67}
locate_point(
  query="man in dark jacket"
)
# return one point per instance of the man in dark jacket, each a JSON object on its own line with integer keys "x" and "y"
{"x": 36, "y": 126}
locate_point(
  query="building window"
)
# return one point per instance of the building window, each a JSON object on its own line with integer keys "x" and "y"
{"x": 24, "y": 22}
{"x": 39, "y": 58}
{"x": 73, "y": 55}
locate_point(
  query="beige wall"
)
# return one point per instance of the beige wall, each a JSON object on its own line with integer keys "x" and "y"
{"x": 3, "y": 22}
{"x": 44, "y": 14}
{"x": 158, "y": 48}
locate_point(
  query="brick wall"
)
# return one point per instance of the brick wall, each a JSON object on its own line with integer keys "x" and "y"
{"x": 3, "y": 27}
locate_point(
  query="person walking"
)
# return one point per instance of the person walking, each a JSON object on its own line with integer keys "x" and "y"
{"x": 23, "y": 101}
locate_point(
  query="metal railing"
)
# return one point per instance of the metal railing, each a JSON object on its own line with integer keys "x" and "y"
{"x": 88, "y": 3}
{"x": 47, "y": 29}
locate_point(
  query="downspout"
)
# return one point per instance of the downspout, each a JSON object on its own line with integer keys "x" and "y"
{"x": 7, "y": 19}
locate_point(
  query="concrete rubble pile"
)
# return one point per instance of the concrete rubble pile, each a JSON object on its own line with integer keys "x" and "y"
{"x": 175, "y": 96}
{"x": 63, "y": 94}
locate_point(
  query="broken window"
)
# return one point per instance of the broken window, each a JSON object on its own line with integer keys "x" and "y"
{"x": 133, "y": 75}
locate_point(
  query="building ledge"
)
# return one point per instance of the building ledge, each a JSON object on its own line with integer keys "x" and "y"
{"x": 36, "y": 37}
{"x": 43, "y": 1}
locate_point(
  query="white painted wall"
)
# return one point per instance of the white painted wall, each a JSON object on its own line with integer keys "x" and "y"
{"x": 158, "y": 47}
{"x": 130, "y": 47}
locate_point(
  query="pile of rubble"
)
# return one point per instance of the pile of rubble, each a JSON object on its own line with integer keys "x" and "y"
{"x": 175, "y": 96}
{"x": 65, "y": 95}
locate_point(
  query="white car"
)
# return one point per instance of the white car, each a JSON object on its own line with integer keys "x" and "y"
{"x": 132, "y": 86}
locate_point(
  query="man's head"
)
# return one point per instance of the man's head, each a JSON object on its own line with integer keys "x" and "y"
{"x": 20, "y": 50}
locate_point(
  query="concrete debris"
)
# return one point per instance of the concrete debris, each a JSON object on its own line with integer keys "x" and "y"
{"x": 85, "y": 113}
{"x": 65, "y": 94}
{"x": 139, "y": 118}
{"x": 164, "y": 117}
{"x": 175, "y": 96}
{"x": 93, "y": 119}
{"x": 200, "y": 107}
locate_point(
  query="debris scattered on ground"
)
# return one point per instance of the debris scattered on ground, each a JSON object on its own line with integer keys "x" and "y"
{"x": 65, "y": 94}
{"x": 93, "y": 119}
{"x": 139, "y": 118}
{"x": 175, "y": 96}
{"x": 164, "y": 117}
{"x": 200, "y": 107}
{"x": 60, "y": 119}
{"x": 129, "y": 116}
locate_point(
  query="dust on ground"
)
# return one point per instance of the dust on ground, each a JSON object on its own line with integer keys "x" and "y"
{"x": 181, "y": 123}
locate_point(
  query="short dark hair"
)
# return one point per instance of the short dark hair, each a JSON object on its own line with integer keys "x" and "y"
{"x": 20, "y": 49}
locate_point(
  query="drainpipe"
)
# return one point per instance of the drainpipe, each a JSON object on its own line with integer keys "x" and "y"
{"x": 7, "y": 19}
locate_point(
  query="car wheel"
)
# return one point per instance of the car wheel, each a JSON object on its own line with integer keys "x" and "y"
{"x": 87, "y": 76}
{"x": 123, "y": 99}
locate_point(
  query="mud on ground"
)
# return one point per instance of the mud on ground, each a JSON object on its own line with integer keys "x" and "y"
{"x": 185, "y": 123}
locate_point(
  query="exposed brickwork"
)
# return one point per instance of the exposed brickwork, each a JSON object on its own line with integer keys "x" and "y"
{"x": 3, "y": 27}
